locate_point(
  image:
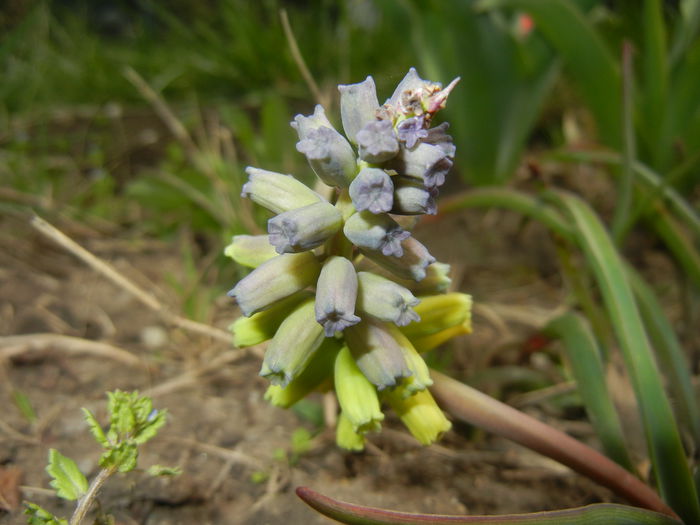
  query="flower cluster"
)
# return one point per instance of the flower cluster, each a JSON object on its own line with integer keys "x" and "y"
{"x": 345, "y": 295}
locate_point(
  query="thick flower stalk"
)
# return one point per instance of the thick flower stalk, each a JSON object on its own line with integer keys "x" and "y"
{"x": 346, "y": 296}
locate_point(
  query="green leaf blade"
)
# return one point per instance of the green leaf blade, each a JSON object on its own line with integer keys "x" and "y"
{"x": 588, "y": 370}
{"x": 95, "y": 428}
{"x": 68, "y": 482}
{"x": 665, "y": 447}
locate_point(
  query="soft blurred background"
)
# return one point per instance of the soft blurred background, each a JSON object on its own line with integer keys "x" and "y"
{"x": 128, "y": 124}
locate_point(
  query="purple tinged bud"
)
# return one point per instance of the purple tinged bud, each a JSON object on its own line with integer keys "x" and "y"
{"x": 375, "y": 232}
{"x": 377, "y": 354}
{"x": 372, "y": 190}
{"x": 437, "y": 136}
{"x": 411, "y": 197}
{"x": 277, "y": 192}
{"x": 293, "y": 346}
{"x": 336, "y": 293}
{"x": 385, "y": 300}
{"x": 411, "y": 265}
{"x": 377, "y": 142}
{"x": 275, "y": 279}
{"x": 412, "y": 130}
{"x": 426, "y": 162}
{"x": 304, "y": 228}
{"x": 358, "y": 106}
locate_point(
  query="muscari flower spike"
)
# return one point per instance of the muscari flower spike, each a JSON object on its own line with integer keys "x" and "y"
{"x": 342, "y": 292}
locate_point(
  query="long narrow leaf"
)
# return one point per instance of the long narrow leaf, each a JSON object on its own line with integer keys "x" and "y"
{"x": 666, "y": 450}
{"x": 598, "y": 513}
{"x": 587, "y": 366}
{"x": 678, "y": 243}
{"x": 670, "y": 354}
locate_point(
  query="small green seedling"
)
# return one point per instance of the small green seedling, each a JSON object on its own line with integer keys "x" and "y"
{"x": 132, "y": 422}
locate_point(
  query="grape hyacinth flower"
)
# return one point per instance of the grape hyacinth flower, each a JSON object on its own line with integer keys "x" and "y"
{"x": 340, "y": 290}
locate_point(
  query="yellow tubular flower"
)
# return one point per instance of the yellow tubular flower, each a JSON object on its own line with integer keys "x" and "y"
{"x": 356, "y": 395}
{"x": 420, "y": 414}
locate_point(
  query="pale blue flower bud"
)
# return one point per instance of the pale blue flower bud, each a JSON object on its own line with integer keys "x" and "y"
{"x": 385, "y": 300}
{"x": 358, "y": 106}
{"x": 293, "y": 346}
{"x": 377, "y": 142}
{"x": 274, "y": 280}
{"x": 318, "y": 119}
{"x": 304, "y": 228}
{"x": 372, "y": 190}
{"x": 410, "y": 85}
{"x": 250, "y": 250}
{"x": 336, "y": 293}
{"x": 426, "y": 162}
{"x": 277, "y": 192}
{"x": 375, "y": 232}
{"x": 377, "y": 353}
{"x": 330, "y": 155}
{"x": 411, "y": 265}
{"x": 411, "y": 130}
{"x": 411, "y": 197}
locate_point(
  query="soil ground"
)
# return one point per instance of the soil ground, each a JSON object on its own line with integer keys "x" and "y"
{"x": 223, "y": 435}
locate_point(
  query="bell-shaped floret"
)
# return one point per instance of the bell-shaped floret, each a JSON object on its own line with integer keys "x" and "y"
{"x": 409, "y": 93}
{"x": 411, "y": 264}
{"x": 425, "y": 162}
{"x": 358, "y": 106}
{"x": 420, "y": 374}
{"x": 295, "y": 343}
{"x": 377, "y": 142}
{"x": 411, "y": 197}
{"x": 330, "y": 155}
{"x": 275, "y": 279}
{"x": 372, "y": 190}
{"x": 376, "y": 232}
{"x": 412, "y": 130}
{"x": 377, "y": 353}
{"x": 277, "y": 192}
{"x": 317, "y": 372}
{"x": 250, "y": 250}
{"x": 336, "y": 293}
{"x": 420, "y": 414}
{"x": 304, "y": 228}
{"x": 356, "y": 395}
{"x": 385, "y": 300}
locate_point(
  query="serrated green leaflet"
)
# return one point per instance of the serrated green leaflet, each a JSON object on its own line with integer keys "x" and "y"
{"x": 38, "y": 516}
{"x": 95, "y": 428}
{"x": 68, "y": 481}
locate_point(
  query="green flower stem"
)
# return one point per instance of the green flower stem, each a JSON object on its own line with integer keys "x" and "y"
{"x": 512, "y": 200}
{"x": 86, "y": 501}
{"x": 474, "y": 407}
